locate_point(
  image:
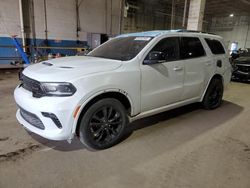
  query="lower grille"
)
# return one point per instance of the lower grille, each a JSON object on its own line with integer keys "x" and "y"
{"x": 32, "y": 119}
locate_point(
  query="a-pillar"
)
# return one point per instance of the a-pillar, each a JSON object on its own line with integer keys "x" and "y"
{"x": 196, "y": 14}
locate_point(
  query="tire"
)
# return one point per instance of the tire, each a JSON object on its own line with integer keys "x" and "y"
{"x": 214, "y": 94}
{"x": 103, "y": 124}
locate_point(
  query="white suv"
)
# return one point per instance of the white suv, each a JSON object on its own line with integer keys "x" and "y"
{"x": 129, "y": 77}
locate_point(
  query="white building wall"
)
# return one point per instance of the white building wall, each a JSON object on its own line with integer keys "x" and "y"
{"x": 61, "y": 19}
{"x": 39, "y": 19}
{"x": 9, "y": 18}
{"x": 95, "y": 17}
{"x": 234, "y": 29}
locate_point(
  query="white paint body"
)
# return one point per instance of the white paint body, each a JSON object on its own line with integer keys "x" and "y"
{"x": 150, "y": 89}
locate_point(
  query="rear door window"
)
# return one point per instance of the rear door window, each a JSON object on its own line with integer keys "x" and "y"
{"x": 215, "y": 46}
{"x": 191, "y": 47}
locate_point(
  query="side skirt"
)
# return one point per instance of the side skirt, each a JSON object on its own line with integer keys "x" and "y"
{"x": 164, "y": 108}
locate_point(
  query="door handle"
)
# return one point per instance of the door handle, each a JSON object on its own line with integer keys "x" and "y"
{"x": 208, "y": 64}
{"x": 178, "y": 68}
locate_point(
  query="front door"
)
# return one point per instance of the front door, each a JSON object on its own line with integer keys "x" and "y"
{"x": 162, "y": 83}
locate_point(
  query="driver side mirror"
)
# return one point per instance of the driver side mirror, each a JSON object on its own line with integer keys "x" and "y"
{"x": 154, "y": 57}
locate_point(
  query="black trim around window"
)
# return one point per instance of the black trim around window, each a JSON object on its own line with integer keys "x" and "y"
{"x": 170, "y": 46}
{"x": 187, "y": 48}
{"x": 215, "y": 46}
{"x": 191, "y": 47}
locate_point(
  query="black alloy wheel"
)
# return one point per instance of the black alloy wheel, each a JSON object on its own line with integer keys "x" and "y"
{"x": 103, "y": 124}
{"x": 214, "y": 94}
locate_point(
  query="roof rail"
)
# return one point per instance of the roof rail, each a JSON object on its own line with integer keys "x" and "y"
{"x": 193, "y": 31}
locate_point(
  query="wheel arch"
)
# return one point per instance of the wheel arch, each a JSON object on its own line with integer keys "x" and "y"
{"x": 119, "y": 95}
{"x": 216, "y": 76}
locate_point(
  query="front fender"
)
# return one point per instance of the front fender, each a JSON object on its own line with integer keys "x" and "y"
{"x": 85, "y": 100}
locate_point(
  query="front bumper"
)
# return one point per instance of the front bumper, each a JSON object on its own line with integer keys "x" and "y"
{"x": 62, "y": 107}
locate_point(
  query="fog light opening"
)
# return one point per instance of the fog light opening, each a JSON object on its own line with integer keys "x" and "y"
{"x": 53, "y": 118}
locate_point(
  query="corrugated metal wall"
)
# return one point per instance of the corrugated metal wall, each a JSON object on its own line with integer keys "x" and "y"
{"x": 95, "y": 16}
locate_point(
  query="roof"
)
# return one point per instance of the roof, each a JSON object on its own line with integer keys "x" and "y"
{"x": 160, "y": 32}
{"x": 148, "y": 33}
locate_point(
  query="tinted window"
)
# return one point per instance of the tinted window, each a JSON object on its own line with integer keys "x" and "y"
{"x": 123, "y": 48}
{"x": 191, "y": 47}
{"x": 169, "y": 47}
{"x": 215, "y": 46}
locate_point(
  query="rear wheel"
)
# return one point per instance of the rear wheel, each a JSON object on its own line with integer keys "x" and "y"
{"x": 214, "y": 94}
{"x": 103, "y": 124}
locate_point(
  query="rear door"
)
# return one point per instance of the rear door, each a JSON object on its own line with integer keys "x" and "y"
{"x": 219, "y": 54}
{"x": 194, "y": 60}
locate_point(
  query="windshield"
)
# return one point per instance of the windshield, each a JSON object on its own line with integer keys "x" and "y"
{"x": 123, "y": 48}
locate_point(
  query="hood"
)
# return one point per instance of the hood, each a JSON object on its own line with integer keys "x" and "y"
{"x": 68, "y": 68}
{"x": 242, "y": 60}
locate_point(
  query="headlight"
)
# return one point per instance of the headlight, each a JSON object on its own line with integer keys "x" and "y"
{"x": 58, "y": 89}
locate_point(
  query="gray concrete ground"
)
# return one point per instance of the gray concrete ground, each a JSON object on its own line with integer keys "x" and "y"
{"x": 187, "y": 147}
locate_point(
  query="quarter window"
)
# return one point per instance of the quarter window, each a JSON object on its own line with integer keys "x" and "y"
{"x": 169, "y": 47}
{"x": 215, "y": 46}
{"x": 191, "y": 48}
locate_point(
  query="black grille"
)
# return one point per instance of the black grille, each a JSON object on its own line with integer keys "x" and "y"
{"x": 243, "y": 68}
{"x": 31, "y": 85}
{"x": 32, "y": 119}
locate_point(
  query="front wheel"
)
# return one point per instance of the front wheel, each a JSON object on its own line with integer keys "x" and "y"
{"x": 103, "y": 124}
{"x": 214, "y": 94}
